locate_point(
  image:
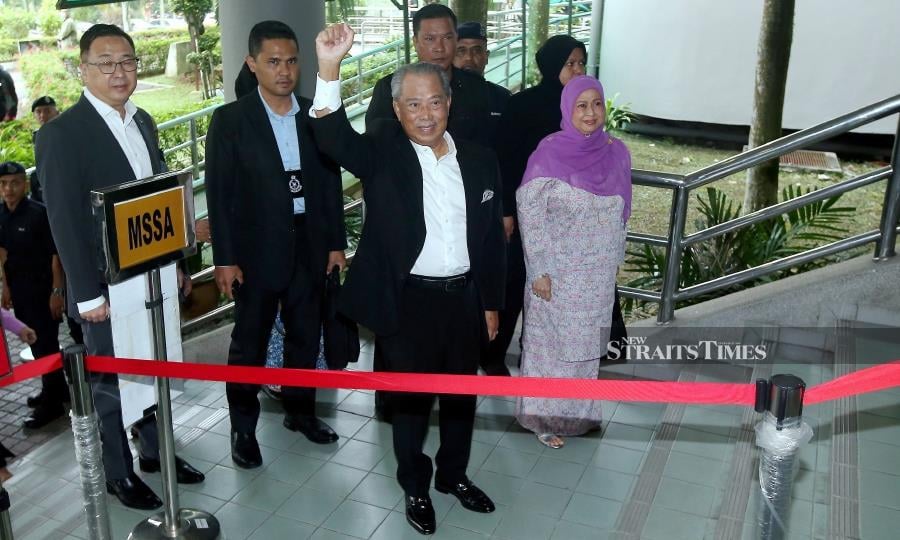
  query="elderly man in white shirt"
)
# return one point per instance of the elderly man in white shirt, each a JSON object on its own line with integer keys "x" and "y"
{"x": 428, "y": 275}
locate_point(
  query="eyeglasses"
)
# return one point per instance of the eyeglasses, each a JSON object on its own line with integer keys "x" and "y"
{"x": 108, "y": 68}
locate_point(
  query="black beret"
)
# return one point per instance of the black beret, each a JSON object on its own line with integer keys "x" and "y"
{"x": 42, "y": 101}
{"x": 11, "y": 167}
{"x": 470, "y": 30}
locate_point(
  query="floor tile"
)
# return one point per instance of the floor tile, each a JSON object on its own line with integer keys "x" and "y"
{"x": 264, "y": 493}
{"x": 359, "y": 454}
{"x": 877, "y": 456}
{"x": 684, "y": 497}
{"x": 665, "y": 524}
{"x": 879, "y": 428}
{"x": 309, "y": 506}
{"x": 376, "y": 432}
{"x": 592, "y": 511}
{"x": 694, "y": 469}
{"x": 292, "y": 468}
{"x": 238, "y": 521}
{"x": 562, "y": 474}
{"x": 709, "y": 419}
{"x": 359, "y": 403}
{"x": 520, "y": 439}
{"x": 209, "y": 447}
{"x": 631, "y": 437}
{"x": 566, "y": 530}
{"x": 378, "y": 490}
{"x": 223, "y": 482}
{"x": 474, "y": 521}
{"x": 199, "y": 501}
{"x": 606, "y": 483}
{"x": 334, "y": 478}
{"x": 277, "y": 436}
{"x": 356, "y": 519}
{"x": 541, "y": 499}
{"x": 617, "y": 458}
{"x": 878, "y": 522}
{"x": 510, "y": 462}
{"x": 325, "y": 534}
{"x": 518, "y": 525}
{"x": 318, "y": 451}
{"x": 500, "y": 488}
{"x": 879, "y": 488}
{"x": 701, "y": 443}
{"x": 277, "y": 527}
{"x": 636, "y": 414}
{"x": 343, "y": 423}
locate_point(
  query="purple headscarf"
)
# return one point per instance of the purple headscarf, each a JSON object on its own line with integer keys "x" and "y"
{"x": 596, "y": 163}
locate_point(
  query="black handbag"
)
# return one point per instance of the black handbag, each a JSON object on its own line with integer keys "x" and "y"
{"x": 341, "y": 335}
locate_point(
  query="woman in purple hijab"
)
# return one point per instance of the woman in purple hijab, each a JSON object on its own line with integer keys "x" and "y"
{"x": 573, "y": 204}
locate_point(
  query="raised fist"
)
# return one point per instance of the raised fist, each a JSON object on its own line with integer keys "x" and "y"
{"x": 334, "y": 42}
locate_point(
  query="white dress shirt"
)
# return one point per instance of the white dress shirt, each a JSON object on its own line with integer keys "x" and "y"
{"x": 446, "y": 251}
{"x": 128, "y": 135}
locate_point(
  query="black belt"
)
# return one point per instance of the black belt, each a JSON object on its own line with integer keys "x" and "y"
{"x": 451, "y": 283}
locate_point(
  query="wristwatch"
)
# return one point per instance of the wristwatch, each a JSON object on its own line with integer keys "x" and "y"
{"x": 57, "y": 291}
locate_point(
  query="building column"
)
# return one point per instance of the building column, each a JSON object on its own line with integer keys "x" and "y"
{"x": 237, "y": 17}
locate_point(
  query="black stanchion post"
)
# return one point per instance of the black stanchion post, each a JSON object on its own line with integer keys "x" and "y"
{"x": 174, "y": 523}
{"x": 779, "y": 435}
{"x": 6, "y": 532}
{"x": 88, "y": 451}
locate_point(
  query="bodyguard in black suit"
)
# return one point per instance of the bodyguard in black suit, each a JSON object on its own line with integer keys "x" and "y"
{"x": 276, "y": 218}
{"x": 429, "y": 270}
{"x": 102, "y": 140}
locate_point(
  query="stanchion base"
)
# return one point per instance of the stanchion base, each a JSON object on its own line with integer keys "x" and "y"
{"x": 193, "y": 525}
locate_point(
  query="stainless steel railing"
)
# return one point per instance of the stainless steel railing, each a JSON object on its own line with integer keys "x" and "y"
{"x": 677, "y": 240}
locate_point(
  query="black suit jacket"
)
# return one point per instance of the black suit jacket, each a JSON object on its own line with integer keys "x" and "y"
{"x": 76, "y": 153}
{"x": 394, "y": 231}
{"x": 250, "y": 204}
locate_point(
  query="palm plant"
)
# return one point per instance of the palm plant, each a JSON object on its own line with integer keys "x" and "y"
{"x": 744, "y": 248}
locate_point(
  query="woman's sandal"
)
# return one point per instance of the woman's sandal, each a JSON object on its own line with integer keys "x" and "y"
{"x": 550, "y": 440}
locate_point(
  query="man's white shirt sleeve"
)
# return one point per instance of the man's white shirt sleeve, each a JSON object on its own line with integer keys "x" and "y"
{"x": 328, "y": 96}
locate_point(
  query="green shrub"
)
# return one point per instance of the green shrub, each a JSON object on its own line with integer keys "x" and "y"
{"x": 16, "y": 143}
{"x": 153, "y": 54}
{"x": 9, "y": 48}
{"x": 169, "y": 138}
{"x": 49, "y": 21}
{"x": 16, "y": 23}
{"x": 46, "y": 74}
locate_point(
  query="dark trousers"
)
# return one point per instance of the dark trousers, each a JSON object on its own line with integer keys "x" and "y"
{"x": 494, "y": 360}
{"x": 254, "y": 314}
{"x": 440, "y": 332}
{"x": 117, "y": 458}
{"x": 31, "y": 304}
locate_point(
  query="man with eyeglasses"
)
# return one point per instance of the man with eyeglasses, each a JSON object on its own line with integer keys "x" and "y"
{"x": 102, "y": 140}
{"x": 276, "y": 213}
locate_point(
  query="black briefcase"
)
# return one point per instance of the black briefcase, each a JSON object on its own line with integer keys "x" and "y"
{"x": 341, "y": 335}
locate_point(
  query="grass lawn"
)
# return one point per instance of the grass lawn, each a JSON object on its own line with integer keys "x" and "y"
{"x": 176, "y": 93}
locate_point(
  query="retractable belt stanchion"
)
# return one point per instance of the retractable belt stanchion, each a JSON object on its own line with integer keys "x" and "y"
{"x": 5, "y": 524}
{"x": 88, "y": 452}
{"x": 779, "y": 435}
{"x": 173, "y": 522}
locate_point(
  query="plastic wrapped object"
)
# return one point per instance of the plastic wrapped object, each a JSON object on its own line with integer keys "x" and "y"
{"x": 777, "y": 465}
{"x": 89, "y": 456}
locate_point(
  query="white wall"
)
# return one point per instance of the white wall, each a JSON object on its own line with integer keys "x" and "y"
{"x": 695, "y": 59}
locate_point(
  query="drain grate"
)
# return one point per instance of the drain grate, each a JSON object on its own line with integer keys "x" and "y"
{"x": 810, "y": 160}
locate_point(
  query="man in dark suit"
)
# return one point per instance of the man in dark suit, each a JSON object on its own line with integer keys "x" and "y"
{"x": 102, "y": 140}
{"x": 434, "y": 37}
{"x": 276, "y": 217}
{"x": 428, "y": 275}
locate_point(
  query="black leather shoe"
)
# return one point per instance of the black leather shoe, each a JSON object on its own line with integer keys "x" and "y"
{"x": 183, "y": 470}
{"x": 245, "y": 450}
{"x": 133, "y": 493}
{"x": 469, "y": 496}
{"x": 35, "y": 400}
{"x": 315, "y": 430}
{"x": 420, "y": 514}
{"x": 43, "y": 415}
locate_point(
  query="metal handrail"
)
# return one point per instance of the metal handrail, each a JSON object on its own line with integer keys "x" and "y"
{"x": 681, "y": 185}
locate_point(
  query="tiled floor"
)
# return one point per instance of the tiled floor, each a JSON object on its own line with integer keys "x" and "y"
{"x": 346, "y": 490}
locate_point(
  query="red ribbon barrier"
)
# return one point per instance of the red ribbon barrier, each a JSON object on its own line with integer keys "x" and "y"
{"x": 867, "y": 380}
{"x": 650, "y": 391}
{"x": 32, "y": 369}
